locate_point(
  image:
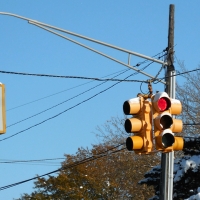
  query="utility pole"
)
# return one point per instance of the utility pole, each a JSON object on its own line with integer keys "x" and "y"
{"x": 167, "y": 159}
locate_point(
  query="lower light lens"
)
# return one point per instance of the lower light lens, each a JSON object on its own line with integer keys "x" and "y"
{"x": 167, "y": 140}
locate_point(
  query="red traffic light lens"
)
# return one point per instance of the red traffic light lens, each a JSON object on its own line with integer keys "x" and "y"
{"x": 163, "y": 104}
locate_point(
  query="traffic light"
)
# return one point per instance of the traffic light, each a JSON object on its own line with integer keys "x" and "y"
{"x": 2, "y": 109}
{"x": 140, "y": 124}
{"x": 165, "y": 125}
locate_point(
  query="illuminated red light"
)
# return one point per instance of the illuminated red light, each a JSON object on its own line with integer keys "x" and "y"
{"x": 162, "y": 104}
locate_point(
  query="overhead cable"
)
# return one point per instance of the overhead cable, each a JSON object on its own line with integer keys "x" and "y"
{"x": 25, "y": 161}
{"x": 186, "y": 72}
{"x": 74, "y": 77}
{"x": 137, "y": 65}
{"x": 63, "y": 101}
{"x": 97, "y": 156}
{"x": 73, "y": 97}
{"x": 124, "y": 70}
{"x": 178, "y": 74}
{"x": 75, "y": 106}
{"x": 64, "y": 110}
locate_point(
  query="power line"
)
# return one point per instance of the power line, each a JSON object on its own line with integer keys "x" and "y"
{"x": 186, "y": 72}
{"x": 100, "y": 155}
{"x": 73, "y": 97}
{"x": 178, "y": 74}
{"x": 159, "y": 71}
{"x": 191, "y": 124}
{"x": 46, "y": 161}
{"x": 137, "y": 65}
{"x": 71, "y": 77}
{"x": 74, "y": 107}
{"x": 64, "y": 110}
{"x": 63, "y": 91}
{"x": 25, "y": 161}
{"x": 63, "y": 102}
{"x": 38, "y": 164}
{"x": 68, "y": 108}
{"x": 43, "y": 162}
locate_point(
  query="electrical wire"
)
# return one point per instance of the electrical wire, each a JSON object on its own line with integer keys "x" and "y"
{"x": 141, "y": 89}
{"x": 193, "y": 124}
{"x": 63, "y": 101}
{"x": 156, "y": 77}
{"x": 78, "y": 105}
{"x": 50, "y": 118}
{"x": 42, "y": 162}
{"x": 74, "y": 97}
{"x": 25, "y": 161}
{"x": 99, "y": 155}
{"x": 45, "y": 161}
{"x": 69, "y": 77}
{"x": 62, "y": 91}
{"x": 37, "y": 164}
{"x": 137, "y": 65}
{"x": 72, "y": 77}
{"x": 70, "y": 107}
{"x": 143, "y": 82}
{"x": 186, "y": 72}
{"x": 178, "y": 74}
{"x": 192, "y": 137}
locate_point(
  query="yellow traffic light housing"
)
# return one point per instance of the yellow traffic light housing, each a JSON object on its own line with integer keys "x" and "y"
{"x": 140, "y": 124}
{"x": 165, "y": 125}
{"x": 2, "y": 109}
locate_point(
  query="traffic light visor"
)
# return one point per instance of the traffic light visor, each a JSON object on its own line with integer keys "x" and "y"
{"x": 133, "y": 125}
{"x": 132, "y": 106}
{"x": 134, "y": 143}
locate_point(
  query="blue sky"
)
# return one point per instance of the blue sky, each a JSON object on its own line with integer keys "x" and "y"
{"x": 140, "y": 26}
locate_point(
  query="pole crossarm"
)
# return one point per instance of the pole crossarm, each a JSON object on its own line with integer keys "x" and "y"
{"x": 102, "y": 43}
{"x": 91, "y": 49}
{"x": 86, "y": 38}
{"x": 43, "y": 26}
